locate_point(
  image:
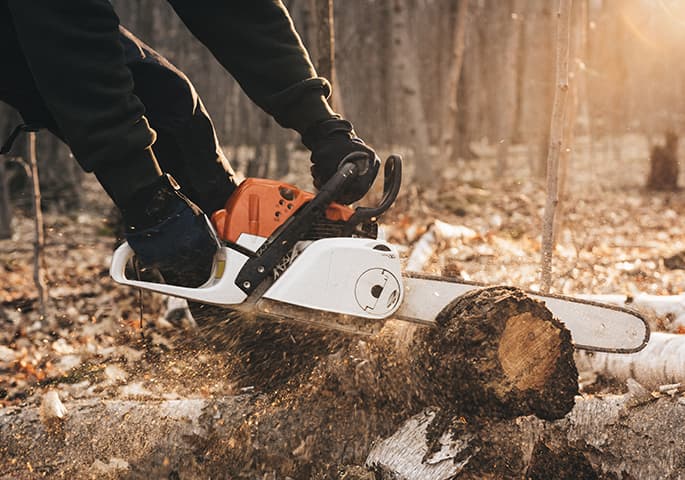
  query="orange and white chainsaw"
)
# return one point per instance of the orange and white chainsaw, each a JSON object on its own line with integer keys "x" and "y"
{"x": 296, "y": 256}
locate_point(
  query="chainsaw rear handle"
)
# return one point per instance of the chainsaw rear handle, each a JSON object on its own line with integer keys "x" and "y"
{"x": 218, "y": 290}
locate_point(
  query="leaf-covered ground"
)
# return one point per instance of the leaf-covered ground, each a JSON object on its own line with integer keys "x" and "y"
{"x": 614, "y": 238}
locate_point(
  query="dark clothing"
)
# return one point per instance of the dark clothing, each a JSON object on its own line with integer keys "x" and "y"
{"x": 66, "y": 65}
{"x": 187, "y": 146}
{"x": 186, "y": 143}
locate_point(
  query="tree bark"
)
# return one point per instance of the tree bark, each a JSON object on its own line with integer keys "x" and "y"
{"x": 322, "y": 399}
{"x": 406, "y": 106}
{"x": 660, "y": 363}
{"x": 506, "y": 119}
{"x": 556, "y": 140}
{"x": 5, "y": 205}
{"x": 449, "y": 124}
{"x": 602, "y": 437}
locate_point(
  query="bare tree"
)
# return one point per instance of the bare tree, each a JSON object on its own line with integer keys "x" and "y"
{"x": 408, "y": 115}
{"x": 5, "y": 205}
{"x": 39, "y": 241}
{"x": 449, "y": 123}
{"x": 556, "y": 140}
{"x": 322, "y": 46}
{"x": 507, "y": 93}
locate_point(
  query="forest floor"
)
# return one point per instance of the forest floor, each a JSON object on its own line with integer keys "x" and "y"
{"x": 614, "y": 239}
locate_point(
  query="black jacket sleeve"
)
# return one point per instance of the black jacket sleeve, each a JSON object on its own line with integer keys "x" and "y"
{"x": 77, "y": 62}
{"x": 255, "y": 40}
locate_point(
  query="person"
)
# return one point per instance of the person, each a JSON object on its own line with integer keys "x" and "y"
{"x": 136, "y": 121}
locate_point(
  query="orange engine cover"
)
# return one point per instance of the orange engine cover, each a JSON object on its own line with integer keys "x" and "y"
{"x": 259, "y": 206}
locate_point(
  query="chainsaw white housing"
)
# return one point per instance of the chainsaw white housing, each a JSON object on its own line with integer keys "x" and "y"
{"x": 351, "y": 276}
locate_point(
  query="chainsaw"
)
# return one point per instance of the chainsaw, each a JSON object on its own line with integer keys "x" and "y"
{"x": 291, "y": 255}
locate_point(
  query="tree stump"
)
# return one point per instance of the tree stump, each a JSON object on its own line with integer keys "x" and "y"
{"x": 663, "y": 165}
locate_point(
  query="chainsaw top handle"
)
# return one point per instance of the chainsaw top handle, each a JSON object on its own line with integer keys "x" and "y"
{"x": 271, "y": 253}
{"x": 392, "y": 180}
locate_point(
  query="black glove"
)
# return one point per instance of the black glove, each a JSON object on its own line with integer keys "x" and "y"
{"x": 330, "y": 141}
{"x": 170, "y": 233}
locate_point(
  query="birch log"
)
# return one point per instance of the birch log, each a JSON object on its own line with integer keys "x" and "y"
{"x": 661, "y": 362}
{"x": 602, "y": 437}
{"x": 556, "y": 138}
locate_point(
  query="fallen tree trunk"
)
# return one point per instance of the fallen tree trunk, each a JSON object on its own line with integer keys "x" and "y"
{"x": 602, "y": 437}
{"x": 661, "y": 362}
{"x": 610, "y": 437}
{"x": 322, "y": 399}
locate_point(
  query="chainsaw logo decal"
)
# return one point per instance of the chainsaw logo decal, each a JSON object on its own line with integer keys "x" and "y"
{"x": 377, "y": 291}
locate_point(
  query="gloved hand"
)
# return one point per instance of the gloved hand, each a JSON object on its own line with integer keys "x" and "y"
{"x": 330, "y": 141}
{"x": 170, "y": 233}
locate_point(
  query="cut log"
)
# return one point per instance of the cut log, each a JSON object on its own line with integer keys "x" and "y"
{"x": 322, "y": 398}
{"x": 500, "y": 353}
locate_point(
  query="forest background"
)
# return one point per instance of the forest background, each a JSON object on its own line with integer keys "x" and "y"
{"x": 464, "y": 91}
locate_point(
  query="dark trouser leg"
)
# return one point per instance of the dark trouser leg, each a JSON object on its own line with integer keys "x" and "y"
{"x": 186, "y": 144}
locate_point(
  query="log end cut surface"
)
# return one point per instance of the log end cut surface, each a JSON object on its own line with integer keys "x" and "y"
{"x": 528, "y": 351}
{"x": 502, "y": 354}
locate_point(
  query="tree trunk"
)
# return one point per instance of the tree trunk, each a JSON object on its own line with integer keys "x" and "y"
{"x": 537, "y": 80}
{"x": 322, "y": 399}
{"x": 566, "y": 153}
{"x": 602, "y": 437}
{"x": 449, "y": 124}
{"x": 322, "y": 47}
{"x": 556, "y": 140}
{"x": 5, "y": 205}
{"x": 60, "y": 174}
{"x": 407, "y": 112}
{"x": 664, "y": 165}
{"x": 507, "y": 94}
